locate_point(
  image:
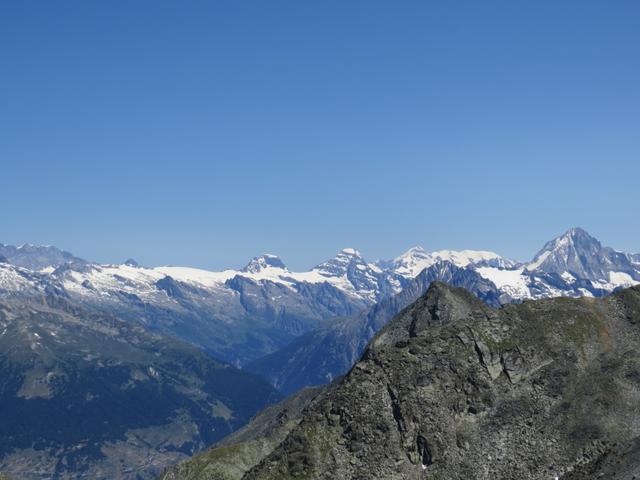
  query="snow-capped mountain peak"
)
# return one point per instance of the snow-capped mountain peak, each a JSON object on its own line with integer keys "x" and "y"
{"x": 410, "y": 263}
{"x": 338, "y": 265}
{"x": 580, "y": 254}
{"x": 413, "y": 254}
{"x": 356, "y": 273}
{"x": 577, "y": 238}
{"x": 417, "y": 250}
{"x": 416, "y": 259}
{"x": 262, "y": 262}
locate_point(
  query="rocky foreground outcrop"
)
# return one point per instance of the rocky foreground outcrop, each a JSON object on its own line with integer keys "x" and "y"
{"x": 454, "y": 389}
{"x": 237, "y": 453}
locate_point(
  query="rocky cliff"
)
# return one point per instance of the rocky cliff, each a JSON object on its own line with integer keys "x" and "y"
{"x": 454, "y": 389}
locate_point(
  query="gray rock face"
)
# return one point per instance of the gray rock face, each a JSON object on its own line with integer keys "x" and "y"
{"x": 454, "y": 389}
{"x": 619, "y": 462}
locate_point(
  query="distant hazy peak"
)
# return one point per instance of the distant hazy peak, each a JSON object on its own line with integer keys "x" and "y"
{"x": 412, "y": 253}
{"x": 579, "y": 254}
{"x": 342, "y": 261}
{"x": 573, "y": 241}
{"x": 34, "y": 257}
{"x": 262, "y": 262}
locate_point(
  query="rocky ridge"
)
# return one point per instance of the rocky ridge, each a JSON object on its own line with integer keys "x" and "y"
{"x": 454, "y": 389}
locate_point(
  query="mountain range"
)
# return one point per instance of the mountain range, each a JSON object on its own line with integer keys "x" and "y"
{"x": 241, "y": 315}
{"x": 454, "y": 389}
{"x": 304, "y": 328}
{"x": 572, "y": 265}
{"x": 75, "y": 330}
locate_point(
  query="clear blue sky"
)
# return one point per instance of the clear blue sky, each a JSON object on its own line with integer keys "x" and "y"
{"x": 205, "y": 132}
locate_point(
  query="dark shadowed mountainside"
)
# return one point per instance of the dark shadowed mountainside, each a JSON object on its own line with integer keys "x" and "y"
{"x": 89, "y": 396}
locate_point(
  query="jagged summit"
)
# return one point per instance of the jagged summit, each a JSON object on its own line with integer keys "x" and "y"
{"x": 575, "y": 236}
{"x": 440, "y": 304}
{"x": 581, "y": 255}
{"x": 262, "y": 262}
{"x": 339, "y": 264}
{"x": 574, "y": 241}
{"x": 481, "y": 393}
{"x": 414, "y": 254}
{"x": 350, "y": 266}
